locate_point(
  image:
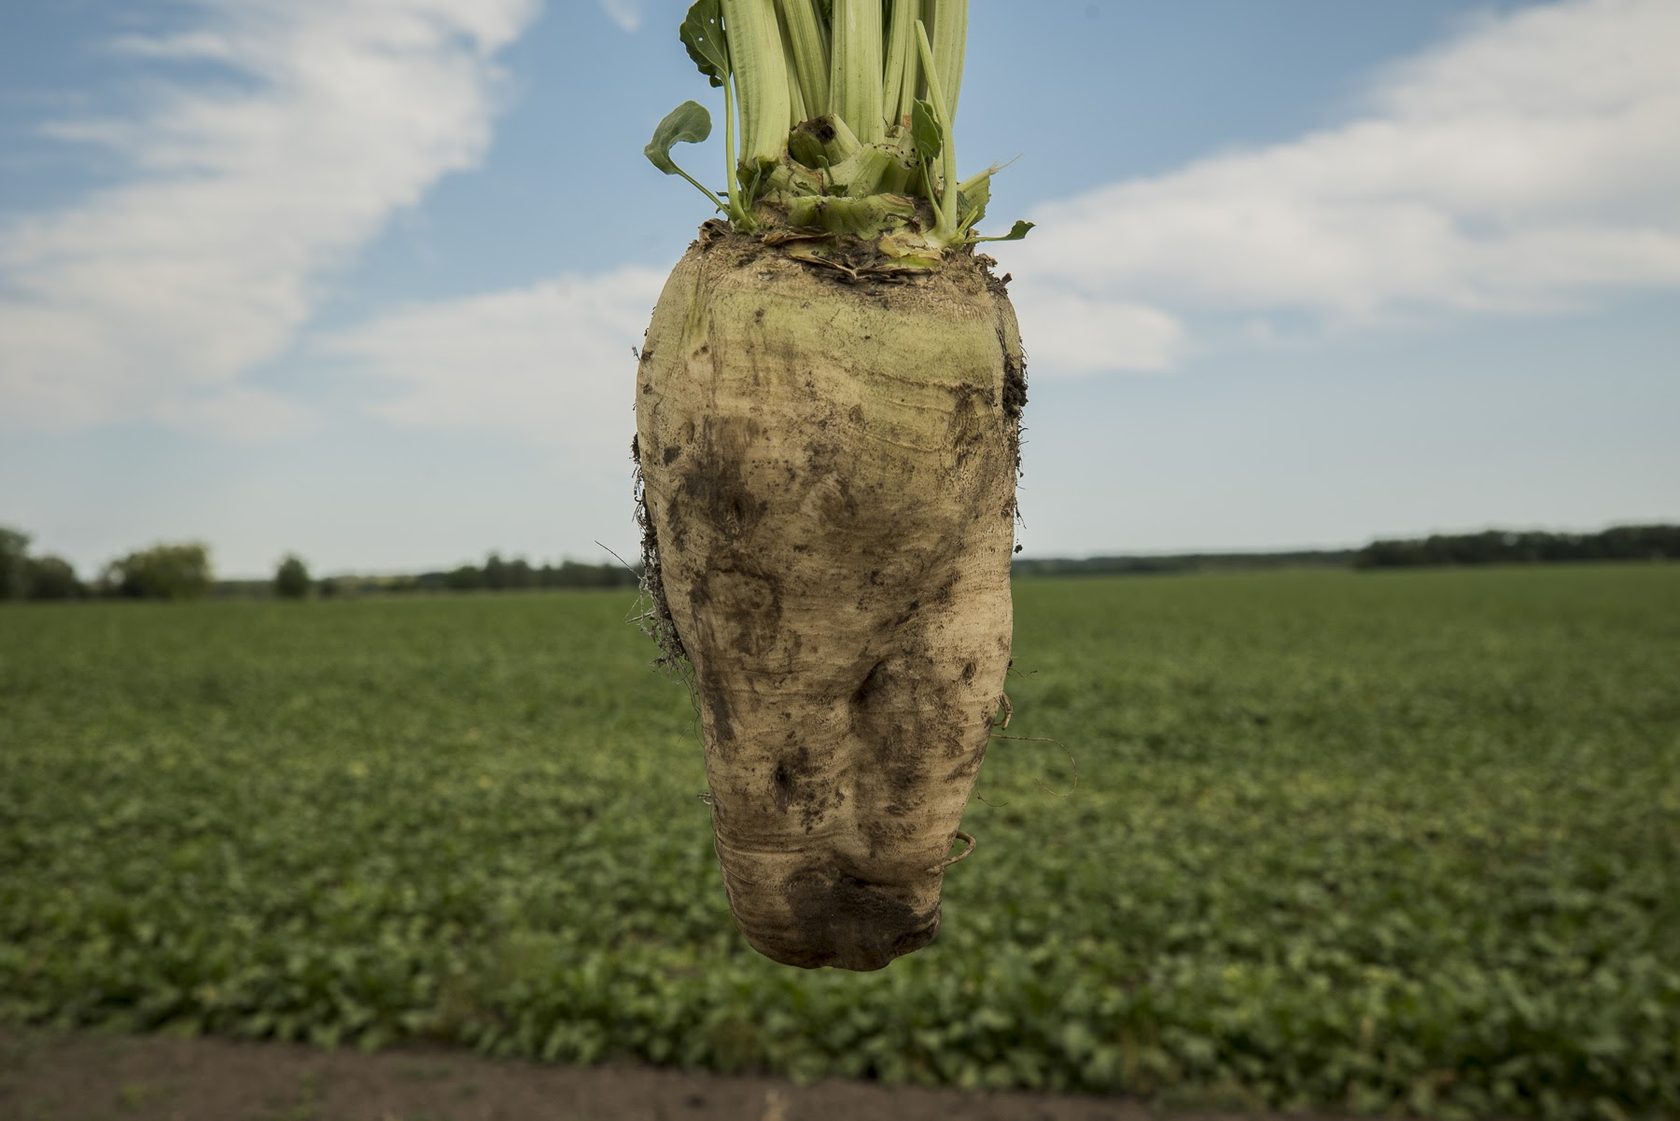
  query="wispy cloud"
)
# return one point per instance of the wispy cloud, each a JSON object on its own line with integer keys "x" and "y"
{"x": 1068, "y": 332}
{"x": 154, "y": 297}
{"x": 626, "y": 13}
{"x": 1523, "y": 166}
{"x": 549, "y": 363}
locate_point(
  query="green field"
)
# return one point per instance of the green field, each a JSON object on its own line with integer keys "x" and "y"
{"x": 1370, "y": 842}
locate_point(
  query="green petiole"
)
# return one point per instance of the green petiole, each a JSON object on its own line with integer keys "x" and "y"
{"x": 855, "y": 74}
{"x": 838, "y": 109}
{"x": 805, "y": 40}
{"x": 737, "y": 210}
{"x": 904, "y": 73}
{"x": 761, "y": 79}
{"x": 936, "y": 94}
{"x": 949, "y": 21}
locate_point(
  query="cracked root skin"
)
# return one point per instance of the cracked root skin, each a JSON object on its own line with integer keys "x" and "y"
{"x": 830, "y": 476}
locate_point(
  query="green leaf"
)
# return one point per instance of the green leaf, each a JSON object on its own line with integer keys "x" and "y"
{"x": 1016, "y": 233}
{"x": 972, "y": 199}
{"x": 925, "y": 131}
{"x": 702, "y": 33}
{"x": 688, "y": 123}
{"x": 1077, "y": 1039}
{"x": 806, "y": 148}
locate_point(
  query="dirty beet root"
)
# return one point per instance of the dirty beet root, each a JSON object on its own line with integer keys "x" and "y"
{"x": 827, "y": 482}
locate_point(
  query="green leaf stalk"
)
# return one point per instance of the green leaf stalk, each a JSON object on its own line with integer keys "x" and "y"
{"x": 844, "y": 112}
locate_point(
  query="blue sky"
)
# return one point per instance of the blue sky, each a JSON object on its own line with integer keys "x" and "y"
{"x": 360, "y": 278}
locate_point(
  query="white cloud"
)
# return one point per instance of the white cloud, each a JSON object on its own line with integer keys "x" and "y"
{"x": 626, "y": 13}
{"x": 1068, "y": 332}
{"x": 550, "y": 363}
{"x": 241, "y": 413}
{"x": 1519, "y": 167}
{"x": 150, "y": 299}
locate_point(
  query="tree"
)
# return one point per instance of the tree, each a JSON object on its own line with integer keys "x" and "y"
{"x": 14, "y": 552}
{"x": 51, "y": 577}
{"x": 464, "y": 579}
{"x": 291, "y": 579}
{"x": 1623, "y": 542}
{"x": 173, "y": 571}
{"x": 518, "y": 573}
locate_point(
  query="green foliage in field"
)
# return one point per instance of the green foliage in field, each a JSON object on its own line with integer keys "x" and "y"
{"x": 1405, "y": 841}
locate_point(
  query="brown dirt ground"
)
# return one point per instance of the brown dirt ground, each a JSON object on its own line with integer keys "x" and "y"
{"x": 96, "y": 1077}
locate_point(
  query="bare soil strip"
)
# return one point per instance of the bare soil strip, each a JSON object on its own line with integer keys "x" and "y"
{"x": 97, "y": 1077}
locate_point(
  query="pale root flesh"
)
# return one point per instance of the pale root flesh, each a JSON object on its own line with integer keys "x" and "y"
{"x": 829, "y": 471}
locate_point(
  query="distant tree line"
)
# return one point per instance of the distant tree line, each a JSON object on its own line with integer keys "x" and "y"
{"x": 1168, "y": 564}
{"x": 181, "y": 570}
{"x": 165, "y": 571}
{"x": 1496, "y": 546}
{"x": 496, "y": 574}
{"x": 292, "y": 580}
{"x": 25, "y": 577}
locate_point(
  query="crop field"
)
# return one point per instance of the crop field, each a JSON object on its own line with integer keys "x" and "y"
{"x": 1402, "y": 841}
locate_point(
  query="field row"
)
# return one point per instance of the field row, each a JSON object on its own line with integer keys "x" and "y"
{"x": 1393, "y": 841}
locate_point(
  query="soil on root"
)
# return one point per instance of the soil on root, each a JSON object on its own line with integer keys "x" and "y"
{"x": 94, "y": 1077}
{"x": 656, "y": 620}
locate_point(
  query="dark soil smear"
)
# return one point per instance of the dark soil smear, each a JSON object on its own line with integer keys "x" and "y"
{"x": 1014, "y": 384}
{"x": 841, "y": 920}
{"x": 49, "y": 1077}
{"x": 657, "y": 620}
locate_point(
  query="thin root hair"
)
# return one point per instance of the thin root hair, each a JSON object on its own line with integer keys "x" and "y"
{"x": 1073, "y": 761}
{"x": 655, "y": 621}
